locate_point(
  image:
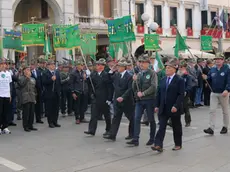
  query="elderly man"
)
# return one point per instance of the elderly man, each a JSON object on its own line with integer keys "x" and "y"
{"x": 219, "y": 79}
{"x": 169, "y": 104}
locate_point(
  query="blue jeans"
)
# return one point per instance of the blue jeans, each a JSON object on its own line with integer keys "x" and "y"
{"x": 142, "y": 105}
{"x": 198, "y": 96}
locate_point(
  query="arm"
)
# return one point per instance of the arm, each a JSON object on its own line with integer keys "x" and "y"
{"x": 153, "y": 88}
{"x": 228, "y": 80}
{"x": 180, "y": 93}
{"x": 189, "y": 84}
{"x": 129, "y": 90}
{"x": 158, "y": 98}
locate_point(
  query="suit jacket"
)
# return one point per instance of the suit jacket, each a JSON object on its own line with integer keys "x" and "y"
{"x": 103, "y": 87}
{"x": 38, "y": 79}
{"x": 49, "y": 84}
{"x": 123, "y": 88}
{"x": 173, "y": 96}
{"x": 77, "y": 82}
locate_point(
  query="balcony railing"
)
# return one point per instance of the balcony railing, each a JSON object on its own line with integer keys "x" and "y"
{"x": 88, "y": 22}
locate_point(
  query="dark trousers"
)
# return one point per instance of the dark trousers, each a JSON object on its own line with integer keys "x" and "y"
{"x": 129, "y": 113}
{"x": 28, "y": 115}
{"x": 187, "y": 114}
{"x": 207, "y": 93}
{"x": 38, "y": 106}
{"x": 66, "y": 101}
{"x": 142, "y": 105}
{"x": 4, "y": 112}
{"x": 96, "y": 111}
{"x": 176, "y": 126}
{"x": 193, "y": 95}
{"x": 52, "y": 108}
{"x": 79, "y": 106}
{"x": 13, "y": 109}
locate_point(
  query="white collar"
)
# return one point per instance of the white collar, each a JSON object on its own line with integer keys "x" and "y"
{"x": 171, "y": 77}
{"x": 122, "y": 74}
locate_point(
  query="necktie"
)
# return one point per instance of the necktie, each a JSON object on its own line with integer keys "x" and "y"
{"x": 168, "y": 82}
{"x": 52, "y": 73}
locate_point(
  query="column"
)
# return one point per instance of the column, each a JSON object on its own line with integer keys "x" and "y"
{"x": 101, "y": 8}
{"x": 68, "y": 11}
{"x": 181, "y": 19}
{"x": 166, "y": 19}
{"x": 116, "y": 8}
{"x": 94, "y": 11}
{"x": 6, "y": 20}
{"x": 196, "y": 21}
{"x": 76, "y": 11}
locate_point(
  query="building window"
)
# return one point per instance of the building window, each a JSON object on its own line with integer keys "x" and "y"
{"x": 188, "y": 18}
{"x": 139, "y": 10}
{"x": 83, "y": 7}
{"x": 213, "y": 21}
{"x": 173, "y": 16}
{"x": 204, "y": 18}
{"x": 158, "y": 14}
{"x": 107, "y": 8}
{"x": 44, "y": 9}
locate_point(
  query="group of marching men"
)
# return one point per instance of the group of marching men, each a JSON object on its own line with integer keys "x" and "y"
{"x": 119, "y": 87}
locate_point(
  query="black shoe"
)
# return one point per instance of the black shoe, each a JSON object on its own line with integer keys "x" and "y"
{"x": 133, "y": 143}
{"x": 224, "y": 130}
{"x": 209, "y": 131}
{"x": 26, "y": 129}
{"x": 57, "y": 125}
{"x": 33, "y": 129}
{"x": 187, "y": 125}
{"x": 145, "y": 123}
{"x": 149, "y": 143}
{"x": 109, "y": 137}
{"x": 157, "y": 148}
{"x": 40, "y": 122}
{"x": 84, "y": 121}
{"x": 12, "y": 124}
{"x": 89, "y": 133}
{"x": 51, "y": 126}
{"x": 129, "y": 138}
{"x": 106, "y": 133}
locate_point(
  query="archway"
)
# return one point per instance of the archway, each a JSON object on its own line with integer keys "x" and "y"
{"x": 45, "y": 11}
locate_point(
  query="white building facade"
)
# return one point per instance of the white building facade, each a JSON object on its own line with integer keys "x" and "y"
{"x": 190, "y": 16}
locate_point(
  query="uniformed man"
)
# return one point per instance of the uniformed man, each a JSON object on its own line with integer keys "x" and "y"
{"x": 52, "y": 88}
{"x": 79, "y": 89}
{"x": 219, "y": 79}
{"x": 123, "y": 100}
{"x": 66, "y": 96}
{"x": 144, "y": 87}
{"x": 101, "y": 97}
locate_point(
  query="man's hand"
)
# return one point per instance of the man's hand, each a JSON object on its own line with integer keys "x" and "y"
{"x": 204, "y": 76}
{"x": 53, "y": 78}
{"x": 174, "y": 110}
{"x": 225, "y": 93}
{"x": 134, "y": 77}
{"x": 139, "y": 94}
{"x": 84, "y": 76}
{"x": 156, "y": 110}
{"x": 120, "y": 99}
{"x": 74, "y": 96}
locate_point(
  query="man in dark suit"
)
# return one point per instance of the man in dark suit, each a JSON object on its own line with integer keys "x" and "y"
{"x": 36, "y": 74}
{"x": 101, "y": 97}
{"x": 169, "y": 104}
{"x": 123, "y": 100}
{"x": 52, "y": 88}
{"x": 207, "y": 90}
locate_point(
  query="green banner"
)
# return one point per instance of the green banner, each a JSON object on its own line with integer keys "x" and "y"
{"x": 65, "y": 36}
{"x": 206, "y": 43}
{"x": 89, "y": 43}
{"x": 12, "y": 40}
{"x": 121, "y": 30}
{"x": 152, "y": 42}
{"x": 33, "y": 34}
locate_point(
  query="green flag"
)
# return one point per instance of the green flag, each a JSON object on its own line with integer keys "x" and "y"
{"x": 12, "y": 40}
{"x": 1, "y": 47}
{"x": 160, "y": 64}
{"x": 111, "y": 51}
{"x": 33, "y": 34}
{"x": 47, "y": 47}
{"x": 151, "y": 42}
{"x": 206, "y": 43}
{"x": 129, "y": 34}
{"x": 89, "y": 43}
{"x": 180, "y": 44}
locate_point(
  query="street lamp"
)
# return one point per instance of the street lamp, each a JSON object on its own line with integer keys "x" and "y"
{"x": 153, "y": 26}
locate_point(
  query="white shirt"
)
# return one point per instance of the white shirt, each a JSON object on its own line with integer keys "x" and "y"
{"x": 171, "y": 78}
{"x": 5, "y": 80}
{"x": 122, "y": 74}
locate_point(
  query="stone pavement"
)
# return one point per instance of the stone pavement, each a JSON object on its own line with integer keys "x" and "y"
{"x": 67, "y": 149}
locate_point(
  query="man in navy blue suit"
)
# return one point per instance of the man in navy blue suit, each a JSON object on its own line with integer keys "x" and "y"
{"x": 169, "y": 104}
{"x": 52, "y": 88}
